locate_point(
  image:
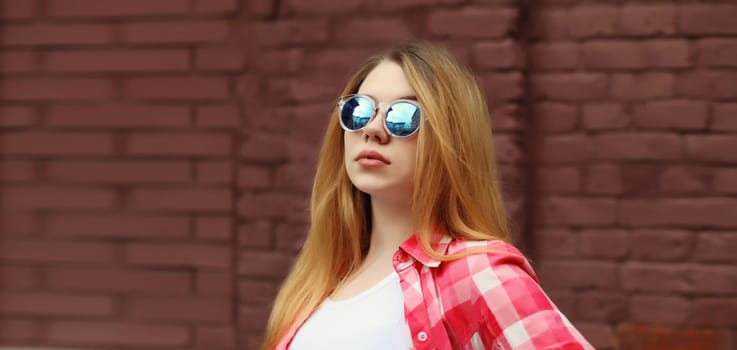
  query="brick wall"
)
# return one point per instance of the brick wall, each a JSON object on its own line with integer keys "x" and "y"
{"x": 157, "y": 158}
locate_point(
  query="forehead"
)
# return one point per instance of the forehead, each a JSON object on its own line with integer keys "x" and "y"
{"x": 387, "y": 82}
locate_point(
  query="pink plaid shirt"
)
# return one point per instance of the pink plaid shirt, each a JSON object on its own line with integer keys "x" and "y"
{"x": 482, "y": 301}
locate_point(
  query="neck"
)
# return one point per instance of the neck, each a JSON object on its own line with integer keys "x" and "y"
{"x": 391, "y": 224}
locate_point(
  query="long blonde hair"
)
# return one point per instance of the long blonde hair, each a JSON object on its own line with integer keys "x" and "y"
{"x": 456, "y": 188}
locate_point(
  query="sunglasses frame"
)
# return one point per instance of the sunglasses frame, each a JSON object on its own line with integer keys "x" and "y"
{"x": 343, "y": 99}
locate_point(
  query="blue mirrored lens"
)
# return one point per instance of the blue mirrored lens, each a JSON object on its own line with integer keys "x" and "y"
{"x": 403, "y": 119}
{"x": 356, "y": 112}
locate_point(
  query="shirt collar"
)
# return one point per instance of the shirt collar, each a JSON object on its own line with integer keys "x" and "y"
{"x": 413, "y": 247}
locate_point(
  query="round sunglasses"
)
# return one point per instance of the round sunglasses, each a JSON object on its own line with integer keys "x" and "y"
{"x": 402, "y": 118}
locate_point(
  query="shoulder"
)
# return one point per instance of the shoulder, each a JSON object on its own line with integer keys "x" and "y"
{"x": 488, "y": 259}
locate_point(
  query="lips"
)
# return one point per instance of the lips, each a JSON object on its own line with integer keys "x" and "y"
{"x": 372, "y": 155}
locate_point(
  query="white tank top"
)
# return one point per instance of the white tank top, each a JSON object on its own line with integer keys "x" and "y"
{"x": 373, "y": 319}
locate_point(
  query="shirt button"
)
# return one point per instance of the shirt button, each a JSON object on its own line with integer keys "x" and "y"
{"x": 422, "y": 336}
{"x": 401, "y": 257}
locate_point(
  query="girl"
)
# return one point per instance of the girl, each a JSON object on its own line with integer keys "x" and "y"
{"x": 408, "y": 245}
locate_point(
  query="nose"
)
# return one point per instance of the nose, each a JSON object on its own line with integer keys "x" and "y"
{"x": 374, "y": 130}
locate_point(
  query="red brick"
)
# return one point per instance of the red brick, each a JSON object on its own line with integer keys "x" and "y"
{"x": 605, "y": 116}
{"x": 559, "y": 179}
{"x": 185, "y": 199}
{"x": 725, "y": 181}
{"x": 588, "y": 21}
{"x": 117, "y": 172}
{"x": 393, "y": 5}
{"x": 555, "y": 56}
{"x": 18, "y": 222}
{"x": 477, "y": 23}
{"x": 117, "y": 333}
{"x": 292, "y": 60}
{"x": 716, "y": 247}
{"x": 703, "y": 19}
{"x": 179, "y": 144}
{"x": 674, "y": 114}
{"x": 257, "y": 292}
{"x": 502, "y": 86}
{"x": 647, "y": 19}
{"x": 225, "y": 59}
{"x": 508, "y": 148}
{"x": 43, "y": 34}
{"x": 295, "y": 176}
{"x": 113, "y": 8}
{"x": 264, "y": 264}
{"x": 56, "y": 197}
{"x": 263, "y": 147}
{"x": 320, "y": 7}
{"x": 216, "y": 6}
{"x": 717, "y": 53}
{"x": 17, "y": 171}
{"x": 18, "y": 331}
{"x": 682, "y": 179}
{"x": 560, "y": 274}
{"x": 215, "y": 228}
{"x": 659, "y": 337}
{"x": 641, "y": 179}
{"x": 40, "y": 250}
{"x": 659, "y": 309}
{"x": 601, "y": 336}
{"x": 508, "y": 117}
{"x": 555, "y": 117}
{"x": 128, "y": 281}
{"x": 44, "y": 304}
{"x": 707, "y": 84}
{"x": 498, "y": 54}
{"x": 549, "y": 23}
{"x": 662, "y": 245}
{"x": 177, "y": 88}
{"x": 117, "y": 116}
{"x": 183, "y": 254}
{"x": 257, "y": 317}
{"x": 273, "y": 205}
{"x": 255, "y": 234}
{"x": 179, "y": 309}
{"x": 715, "y": 313}
{"x": 724, "y": 117}
{"x": 16, "y": 117}
{"x": 297, "y": 91}
{"x": 17, "y": 10}
{"x": 636, "y": 55}
{"x": 643, "y": 86}
{"x": 287, "y": 32}
{"x": 573, "y": 148}
{"x": 604, "y": 179}
{"x": 121, "y": 225}
{"x": 655, "y": 277}
{"x": 642, "y": 146}
{"x": 120, "y": 60}
{"x": 14, "y": 278}
{"x": 693, "y": 212}
{"x": 570, "y": 86}
{"x": 554, "y": 242}
{"x": 215, "y": 284}
{"x": 603, "y": 243}
{"x": 193, "y": 32}
{"x": 214, "y": 172}
{"x": 18, "y": 61}
{"x": 56, "y": 144}
{"x": 373, "y": 30}
{"x": 218, "y": 116}
{"x": 711, "y": 148}
{"x": 604, "y": 306}
{"x": 290, "y": 237}
{"x": 55, "y": 89}
{"x": 215, "y": 337}
{"x": 577, "y": 211}
{"x": 253, "y": 177}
